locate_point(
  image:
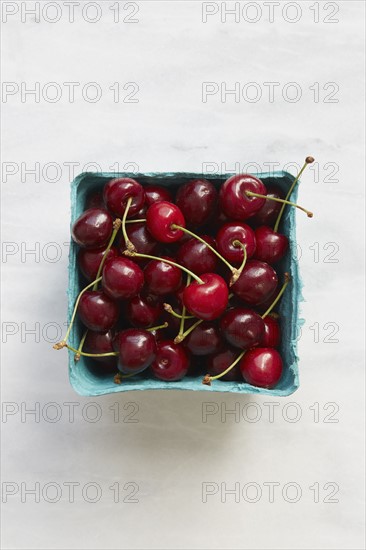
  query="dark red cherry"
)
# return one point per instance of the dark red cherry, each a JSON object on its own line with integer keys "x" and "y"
{"x": 89, "y": 260}
{"x": 156, "y": 193}
{"x": 231, "y": 232}
{"x": 209, "y": 300}
{"x": 267, "y": 214}
{"x": 261, "y": 367}
{"x": 137, "y": 350}
{"x": 271, "y": 246}
{"x": 143, "y": 311}
{"x": 233, "y": 200}
{"x": 219, "y": 362}
{"x": 101, "y": 342}
{"x": 204, "y": 339}
{"x": 197, "y": 200}
{"x": 160, "y": 216}
{"x": 141, "y": 238}
{"x": 272, "y": 333}
{"x": 197, "y": 257}
{"x": 97, "y": 311}
{"x": 171, "y": 362}
{"x": 93, "y": 228}
{"x": 162, "y": 278}
{"x": 257, "y": 282}
{"x": 122, "y": 278}
{"x": 242, "y": 328}
{"x": 95, "y": 200}
{"x": 118, "y": 191}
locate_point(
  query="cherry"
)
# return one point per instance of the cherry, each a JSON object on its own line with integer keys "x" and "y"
{"x": 97, "y": 311}
{"x": 137, "y": 350}
{"x": 89, "y": 260}
{"x": 160, "y": 216}
{"x": 197, "y": 200}
{"x": 204, "y": 339}
{"x": 161, "y": 277}
{"x": 261, "y": 367}
{"x": 207, "y": 300}
{"x": 228, "y": 247}
{"x": 271, "y": 246}
{"x": 143, "y": 311}
{"x": 267, "y": 215}
{"x": 118, "y": 191}
{"x": 197, "y": 257}
{"x": 242, "y": 327}
{"x": 171, "y": 362}
{"x": 101, "y": 342}
{"x": 93, "y": 228}
{"x": 95, "y": 200}
{"x": 257, "y": 282}
{"x": 233, "y": 198}
{"x": 272, "y": 332}
{"x": 156, "y": 193}
{"x": 218, "y": 363}
{"x": 141, "y": 238}
{"x": 122, "y": 278}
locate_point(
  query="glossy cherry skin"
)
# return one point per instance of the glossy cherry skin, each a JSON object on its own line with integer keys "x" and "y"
{"x": 95, "y": 200}
{"x": 261, "y": 367}
{"x": 97, "y": 311}
{"x": 197, "y": 200}
{"x": 267, "y": 214}
{"x": 160, "y": 216}
{"x": 137, "y": 350}
{"x": 209, "y": 300}
{"x": 271, "y": 246}
{"x": 101, "y": 342}
{"x": 157, "y": 193}
{"x": 231, "y": 232}
{"x": 171, "y": 362}
{"x": 219, "y": 362}
{"x": 143, "y": 311}
{"x": 122, "y": 278}
{"x": 162, "y": 278}
{"x": 89, "y": 260}
{"x": 233, "y": 200}
{"x": 272, "y": 333}
{"x": 257, "y": 282}
{"x": 141, "y": 238}
{"x": 242, "y": 327}
{"x": 117, "y": 192}
{"x": 204, "y": 339}
{"x": 197, "y": 257}
{"x": 93, "y": 228}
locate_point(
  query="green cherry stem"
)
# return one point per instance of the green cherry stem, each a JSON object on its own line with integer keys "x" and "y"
{"x": 287, "y": 280}
{"x": 149, "y": 257}
{"x": 308, "y": 160}
{"x": 164, "y": 325}
{"x": 178, "y": 339}
{"x": 170, "y": 310}
{"x": 208, "y": 379}
{"x": 63, "y": 343}
{"x": 184, "y": 311}
{"x": 236, "y": 276}
{"x": 116, "y": 225}
{"x": 130, "y": 246}
{"x": 136, "y": 221}
{"x": 109, "y": 354}
{"x": 283, "y": 201}
{"x": 119, "y": 377}
{"x": 80, "y": 348}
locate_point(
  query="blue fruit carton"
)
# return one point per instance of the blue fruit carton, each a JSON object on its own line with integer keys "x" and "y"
{"x": 86, "y": 381}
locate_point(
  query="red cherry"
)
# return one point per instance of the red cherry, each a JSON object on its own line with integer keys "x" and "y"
{"x": 197, "y": 257}
{"x": 122, "y": 278}
{"x": 204, "y": 339}
{"x": 271, "y": 246}
{"x": 257, "y": 282}
{"x": 89, "y": 260}
{"x": 93, "y": 228}
{"x": 117, "y": 192}
{"x": 218, "y": 363}
{"x": 242, "y": 328}
{"x": 209, "y": 300}
{"x": 231, "y": 232}
{"x": 162, "y": 278}
{"x": 97, "y": 311}
{"x": 159, "y": 219}
{"x": 197, "y": 200}
{"x": 234, "y": 201}
{"x": 137, "y": 350}
{"x": 272, "y": 333}
{"x": 261, "y": 367}
{"x": 156, "y": 193}
{"x": 143, "y": 311}
{"x": 267, "y": 215}
{"x": 101, "y": 342}
{"x": 141, "y": 238}
{"x": 171, "y": 362}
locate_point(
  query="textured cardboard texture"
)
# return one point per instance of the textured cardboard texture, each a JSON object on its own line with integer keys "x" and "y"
{"x": 86, "y": 382}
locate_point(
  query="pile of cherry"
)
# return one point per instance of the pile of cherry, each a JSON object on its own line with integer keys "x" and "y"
{"x": 175, "y": 285}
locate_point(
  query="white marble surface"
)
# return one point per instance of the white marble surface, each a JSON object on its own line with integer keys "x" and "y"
{"x": 170, "y": 452}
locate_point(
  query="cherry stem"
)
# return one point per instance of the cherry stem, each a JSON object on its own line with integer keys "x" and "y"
{"x": 119, "y": 377}
{"x": 184, "y": 311}
{"x": 308, "y": 160}
{"x": 208, "y": 379}
{"x": 164, "y": 325}
{"x": 287, "y": 280}
{"x": 283, "y": 201}
{"x": 237, "y": 273}
{"x": 62, "y": 344}
{"x": 178, "y": 339}
{"x": 116, "y": 225}
{"x": 109, "y": 354}
{"x": 129, "y": 245}
{"x": 149, "y": 257}
{"x": 136, "y": 221}
{"x": 80, "y": 348}
{"x": 170, "y": 310}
